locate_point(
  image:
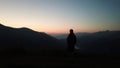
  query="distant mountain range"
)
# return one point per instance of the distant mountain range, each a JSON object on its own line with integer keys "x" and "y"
{"x": 27, "y": 38}
{"x": 102, "y": 42}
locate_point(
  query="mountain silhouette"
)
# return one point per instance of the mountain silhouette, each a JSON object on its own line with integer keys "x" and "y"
{"x": 27, "y": 39}
{"x": 23, "y": 47}
{"x": 102, "y": 42}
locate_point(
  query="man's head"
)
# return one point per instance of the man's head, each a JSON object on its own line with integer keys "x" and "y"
{"x": 71, "y": 30}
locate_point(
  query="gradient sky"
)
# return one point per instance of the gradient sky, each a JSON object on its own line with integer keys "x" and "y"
{"x": 58, "y": 16}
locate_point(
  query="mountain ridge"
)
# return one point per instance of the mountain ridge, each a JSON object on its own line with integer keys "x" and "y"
{"x": 27, "y": 38}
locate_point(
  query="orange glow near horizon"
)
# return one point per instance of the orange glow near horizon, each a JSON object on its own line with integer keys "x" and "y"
{"x": 47, "y": 30}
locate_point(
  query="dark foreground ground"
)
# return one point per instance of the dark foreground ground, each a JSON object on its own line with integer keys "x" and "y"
{"x": 58, "y": 61}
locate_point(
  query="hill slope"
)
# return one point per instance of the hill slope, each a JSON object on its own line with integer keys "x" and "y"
{"x": 27, "y": 38}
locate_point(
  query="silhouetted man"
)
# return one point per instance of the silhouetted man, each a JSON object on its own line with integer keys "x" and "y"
{"x": 71, "y": 41}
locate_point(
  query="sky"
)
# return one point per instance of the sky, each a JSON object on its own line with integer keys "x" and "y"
{"x": 58, "y": 16}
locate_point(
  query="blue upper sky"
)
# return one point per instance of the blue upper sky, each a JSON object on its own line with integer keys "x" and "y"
{"x": 58, "y": 16}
